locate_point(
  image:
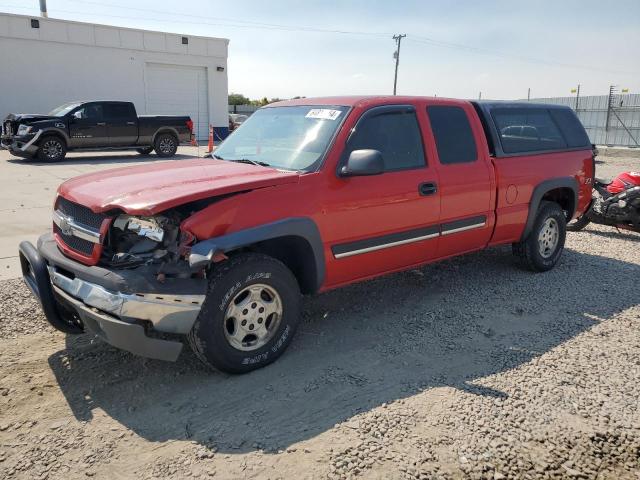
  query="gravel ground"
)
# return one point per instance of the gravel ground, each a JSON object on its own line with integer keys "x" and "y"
{"x": 469, "y": 368}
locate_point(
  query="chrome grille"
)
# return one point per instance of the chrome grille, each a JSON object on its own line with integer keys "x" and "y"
{"x": 80, "y": 213}
{"x": 7, "y": 129}
{"x": 76, "y": 226}
{"x": 78, "y": 244}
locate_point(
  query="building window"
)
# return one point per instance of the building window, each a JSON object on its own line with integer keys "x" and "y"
{"x": 35, "y": 23}
{"x": 185, "y": 40}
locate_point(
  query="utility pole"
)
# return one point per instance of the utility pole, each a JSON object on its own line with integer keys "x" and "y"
{"x": 398, "y": 38}
{"x": 479, "y": 95}
{"x": 528, "y": 94}
{"x": 577, "y": 92}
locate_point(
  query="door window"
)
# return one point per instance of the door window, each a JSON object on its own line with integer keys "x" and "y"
{"x": 395, "y": 134}
{"x": 92, "y": 111}
{"x": 454, "y": 138}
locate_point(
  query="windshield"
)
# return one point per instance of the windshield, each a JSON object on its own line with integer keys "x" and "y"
{"x": 62, "y": 110}
{"x": 290, "y": 138}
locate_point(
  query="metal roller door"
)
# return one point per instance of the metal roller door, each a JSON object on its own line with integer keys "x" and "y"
{"x": 178, "y": 90}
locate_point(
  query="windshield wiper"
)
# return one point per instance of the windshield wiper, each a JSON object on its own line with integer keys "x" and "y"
{"x": 218, "y": 157}
{"x": 252, "y": 162}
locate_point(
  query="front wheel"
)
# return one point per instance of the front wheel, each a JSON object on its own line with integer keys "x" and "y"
{"x": 51, "y": 149}
{"x": 166, "y": 145}
{"x": 542, "y": 248}
{"x": 249, "y": 315}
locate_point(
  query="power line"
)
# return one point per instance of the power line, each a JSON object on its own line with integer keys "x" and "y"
{"x": 507, "y": 56}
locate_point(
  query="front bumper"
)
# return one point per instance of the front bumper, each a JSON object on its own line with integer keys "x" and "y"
{"x": 23, "y": 146}
{"x": 73, "y": 301}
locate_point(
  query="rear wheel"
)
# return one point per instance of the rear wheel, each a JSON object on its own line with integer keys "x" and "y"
{"x": 51, "y": 149}
{"x": 249, "y": 316}
{"x": 542, "y": 248}
{"x": 145, "y": 150}
{"x": 165, "y": 145}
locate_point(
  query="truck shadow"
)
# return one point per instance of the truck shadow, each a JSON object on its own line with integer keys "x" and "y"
{"x": 614, "y": 234}
{"x": 446, "y": 324}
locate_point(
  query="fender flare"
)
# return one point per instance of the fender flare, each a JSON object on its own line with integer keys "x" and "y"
{"x": 302, "y": 227}
{"x": 165, "y": 130}
{"x": 540, "y": 190}
{"x": 54, "y": 131}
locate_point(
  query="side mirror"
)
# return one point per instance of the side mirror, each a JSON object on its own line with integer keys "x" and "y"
{"x": 363, "y": 162}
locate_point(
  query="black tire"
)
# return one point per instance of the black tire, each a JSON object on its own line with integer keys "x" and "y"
{"x": 540, "y": 256}
{"x": 165, "y": 145}
{"x": 145, "y": 150}
{"x": 579, "y": 223}
{"x": 51, "y": 149}
{"x": 209, "y": 337}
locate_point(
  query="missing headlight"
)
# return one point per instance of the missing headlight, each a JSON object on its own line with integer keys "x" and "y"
{"x": 149, "y": 227}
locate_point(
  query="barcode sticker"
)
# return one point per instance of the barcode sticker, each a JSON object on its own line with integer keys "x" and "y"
{"x": 323, "y": 114}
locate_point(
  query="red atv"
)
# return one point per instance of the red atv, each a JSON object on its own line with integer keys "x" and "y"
{"x": 615, "y": 203}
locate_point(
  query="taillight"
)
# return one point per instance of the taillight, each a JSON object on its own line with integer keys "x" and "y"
{"x": 190, "y": 125}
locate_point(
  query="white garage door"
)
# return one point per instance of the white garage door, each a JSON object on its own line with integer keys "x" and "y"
{"x": 179, "y": 90}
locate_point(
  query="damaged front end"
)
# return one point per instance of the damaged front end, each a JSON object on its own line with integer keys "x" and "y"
{"x": 139, "y": 291}
{"x": 134, "y": 241}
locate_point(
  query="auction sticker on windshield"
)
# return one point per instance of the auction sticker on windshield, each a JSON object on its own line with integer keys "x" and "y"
{"x": 323, "y": 114}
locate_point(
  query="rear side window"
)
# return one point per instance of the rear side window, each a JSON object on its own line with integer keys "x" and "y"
{"x": 527, "y": 130}
{"x": 453, "y": 134}
{"x": 571, "y": 128}
{"x": 395, "y": 134}
{"x": 118, "y": 111}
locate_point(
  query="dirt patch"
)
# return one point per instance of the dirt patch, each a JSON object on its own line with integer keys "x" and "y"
{"x": 469, "y": 368}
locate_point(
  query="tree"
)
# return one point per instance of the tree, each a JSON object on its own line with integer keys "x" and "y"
{"x": 238, "y": 99}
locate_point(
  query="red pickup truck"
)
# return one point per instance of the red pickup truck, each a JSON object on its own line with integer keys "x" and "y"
{"x": 306, "y": 196}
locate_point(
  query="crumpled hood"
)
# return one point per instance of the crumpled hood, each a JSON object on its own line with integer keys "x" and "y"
{"x": 28, "y": 117}
{"x": 152, "y": 188}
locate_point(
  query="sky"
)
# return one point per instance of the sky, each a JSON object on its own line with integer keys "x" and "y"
{"x": 456, "y": 48}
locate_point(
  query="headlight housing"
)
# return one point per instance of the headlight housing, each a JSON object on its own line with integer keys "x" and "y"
{"x": 25, "y": 129}
{"x": 148, "y": 227}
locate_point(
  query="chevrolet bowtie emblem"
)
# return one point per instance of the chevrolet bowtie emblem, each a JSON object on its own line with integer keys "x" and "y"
{"x": 65, "y": 226}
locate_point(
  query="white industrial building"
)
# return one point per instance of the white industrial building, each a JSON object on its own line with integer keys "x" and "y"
{"x": 46, "y": 62}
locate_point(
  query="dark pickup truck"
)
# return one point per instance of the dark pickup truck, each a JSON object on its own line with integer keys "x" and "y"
{"x": 99, "y": 125}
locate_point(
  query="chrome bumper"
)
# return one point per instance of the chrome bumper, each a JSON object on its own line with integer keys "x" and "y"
{"x": 167, "y": 313}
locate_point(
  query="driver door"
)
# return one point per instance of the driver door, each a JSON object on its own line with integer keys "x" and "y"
{"x": 87, "y": 126}
{"x": 384, "y": 222}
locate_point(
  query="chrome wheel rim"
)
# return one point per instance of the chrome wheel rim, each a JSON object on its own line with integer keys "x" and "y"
{"x": 252, "y": 317}
{"x": 548, "y": 237}
{"x": 166, "y": 145}
{"x": 52, "y": 148}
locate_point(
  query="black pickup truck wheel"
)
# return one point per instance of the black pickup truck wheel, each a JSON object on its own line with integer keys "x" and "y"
{"x": 145, "y": 150}
{"x": 166, "y": 145}
{"x": 51, "y": 149}
{"x": 249, "y": 316}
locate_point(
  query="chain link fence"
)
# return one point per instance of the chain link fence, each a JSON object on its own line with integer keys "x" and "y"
{"x": 612, "y": 120}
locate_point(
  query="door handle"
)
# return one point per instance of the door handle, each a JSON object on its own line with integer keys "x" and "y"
{"x": 101, "y": 124}
{"x": 427, "y": 188}
{"x": 131, "y": 123}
